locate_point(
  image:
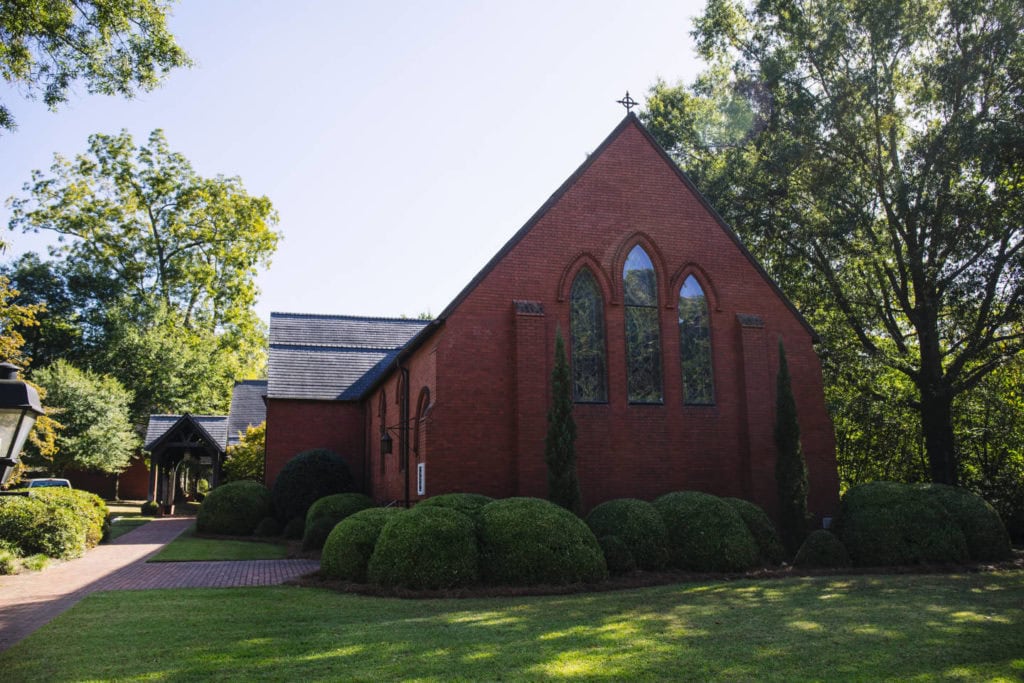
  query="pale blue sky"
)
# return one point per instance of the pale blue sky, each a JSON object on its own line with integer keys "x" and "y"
{"x": 402, "y": 143}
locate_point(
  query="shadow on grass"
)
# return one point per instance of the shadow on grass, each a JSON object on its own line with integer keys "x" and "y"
{"x": 814, "y": 628}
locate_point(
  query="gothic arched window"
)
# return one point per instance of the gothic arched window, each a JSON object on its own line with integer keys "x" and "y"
{"x": 586, "y": 332}
{"x": 643, "y": 339}
{"x": 695, "y": 344}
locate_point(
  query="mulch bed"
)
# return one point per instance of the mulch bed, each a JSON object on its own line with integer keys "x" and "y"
{"x": 641, "y": 579}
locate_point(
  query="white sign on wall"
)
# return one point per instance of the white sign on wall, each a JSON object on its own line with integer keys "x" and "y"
{"x": 421, "y": 478}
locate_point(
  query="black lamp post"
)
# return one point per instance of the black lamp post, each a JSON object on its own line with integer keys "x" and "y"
{"x": 19, "y": 408}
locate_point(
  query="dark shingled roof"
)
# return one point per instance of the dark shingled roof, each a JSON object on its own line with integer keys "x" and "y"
{"x": 247, "y": 407}
{"x": 332, "y": 357}
{"x": 214, "y": 425}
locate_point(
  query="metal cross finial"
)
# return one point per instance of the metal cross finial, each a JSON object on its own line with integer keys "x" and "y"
{"x": 628, "y": 102}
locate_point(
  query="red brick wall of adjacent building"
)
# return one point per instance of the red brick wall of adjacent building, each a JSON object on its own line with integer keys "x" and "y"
{"x": 491, "y": 365}
{"x": 132, "y": 484}
{"x": 294, "y": 426}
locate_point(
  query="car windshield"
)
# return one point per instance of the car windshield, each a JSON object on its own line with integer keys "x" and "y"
{"x": 48, "y": 482}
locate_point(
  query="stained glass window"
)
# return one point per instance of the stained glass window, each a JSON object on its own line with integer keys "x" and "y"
{"x": 586, "y": 331}
{"x": 643, "y": 339}
{"x": 695, "y": 344}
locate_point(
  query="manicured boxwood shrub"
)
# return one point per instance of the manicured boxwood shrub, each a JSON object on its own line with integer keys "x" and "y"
{"x": 617, "y": 555}
{"x": 466, "y": 503}
{"x": 983, "y": 529}
{"x": 88, "y": 507}
{"x": 38, "y": 526}
{"x": 884, "y": 524}
{"x": 636, "y": 524}
{"x": 8, "y": 562}
{"x": 150, "y": 508}
{"x": 307, "y": 478}
{"x": 426, "y": 547}
{"x": 327, "y": 512}
{"x": 706, "y": 533}
{"x": 348, "y": 548}
{"x": 822, "y": 548}
{"x": 268, "y": 527}
{"x": 529, "y": 541}
{"x": 761, "y": 528}
{"x": 234, "y": 508}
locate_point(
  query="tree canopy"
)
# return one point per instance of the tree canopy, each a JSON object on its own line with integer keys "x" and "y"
{"x": 95, "y": 431}
{"x": 153, "y": 277}
{"x": 115, "y": 47}
{"x": 872, "y": 154}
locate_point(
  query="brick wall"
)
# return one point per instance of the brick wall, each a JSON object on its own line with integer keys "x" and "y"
{"x": 294, "y": 426}
{"x": 491, "y": 365}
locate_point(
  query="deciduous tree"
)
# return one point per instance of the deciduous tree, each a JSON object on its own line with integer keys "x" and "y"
{"x": 875, "y": 162}
{"x": 115, "y": 47}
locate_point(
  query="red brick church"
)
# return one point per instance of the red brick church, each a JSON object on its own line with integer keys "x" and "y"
{"x": 672, "y": 330}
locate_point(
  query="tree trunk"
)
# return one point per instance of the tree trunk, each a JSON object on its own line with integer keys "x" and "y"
{"x": 939, "y": 444}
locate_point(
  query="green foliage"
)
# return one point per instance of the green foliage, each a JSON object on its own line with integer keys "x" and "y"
{"x": 984, "y": 531}
{"x": 8, "y": 562}
{"x": 114, "y": 47}
{"x": 234, "y": 508}
{"x": 96, "y": 431}
{"x": 467, "y": 503}
{"x": 529, "y": 541}
{"x": 294, "y": 528}
{"x": 617, "y": 555}
{"x": 885, "y": 524}
{"x": 761, "y": 528}
{"x": 90, "y": 510}
{"x": 790, "y": 468}
{"x": 869, "y": 153}
{"x": 157, "y": 266}
{"x": 245, "y": 459}
{"x": 150, "y": 508}
{"x": 35, "y": 563}
{"x": 37, "y": 525}
{"x": 426, "y": 547}
{"x": 268, "y": 527}
{"x": 559, "y": 444}
{"x": 823, "y": 549}
{"x": 307, "y": 478}
{"x": 637, "y": 525}
{"x": 349, "y": 547}
{"x": 706, "y": 533}
{"x": 327, "y": 512}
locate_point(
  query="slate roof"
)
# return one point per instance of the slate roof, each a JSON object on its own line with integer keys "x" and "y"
{"x": 214, "y": 425}
{"x": 332, "y": 357}
{"x": 247, "y": 407}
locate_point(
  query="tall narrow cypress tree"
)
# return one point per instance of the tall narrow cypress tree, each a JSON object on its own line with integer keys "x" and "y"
{"x": 790, "y": 468}
{"x": 559, "y": 444}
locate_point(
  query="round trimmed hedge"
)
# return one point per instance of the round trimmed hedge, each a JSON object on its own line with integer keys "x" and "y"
{"x": 636, "y": 524}
{"x": 822, "y": 548}
{"x": 89, "y": 508}
{"x": 37, "y": 526}
{"x": 349, "y": 546}
{"x": 327, "y": 512}
{"x": 529, "y": 541}
{"x": 617, "y": 555}
{"x": 268, "y": 527}
{"x": 234, "y": 509}
{"x": 307, "y": 478}
{"x": 884, "y": 523}
{"x": 981, "y": 525}
{"x": 706, "y": 533}
{"x": 428, "y": 547}
{"x": 761, "y": 528}
{"x": 466, "y": 503}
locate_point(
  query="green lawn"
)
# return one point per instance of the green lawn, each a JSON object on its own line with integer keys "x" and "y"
{"x": 909, "y": 627}
{"x": 190, "y": 548}
{"x": 122, "y": 525}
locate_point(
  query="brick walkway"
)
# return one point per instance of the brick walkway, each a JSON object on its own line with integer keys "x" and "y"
{"x": 28, "y": 601}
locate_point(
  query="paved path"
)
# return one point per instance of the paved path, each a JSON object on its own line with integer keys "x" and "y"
{"x": 28, "y": 601}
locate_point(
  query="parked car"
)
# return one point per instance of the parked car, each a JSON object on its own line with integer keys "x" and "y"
{"x": 40, "y": 483}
